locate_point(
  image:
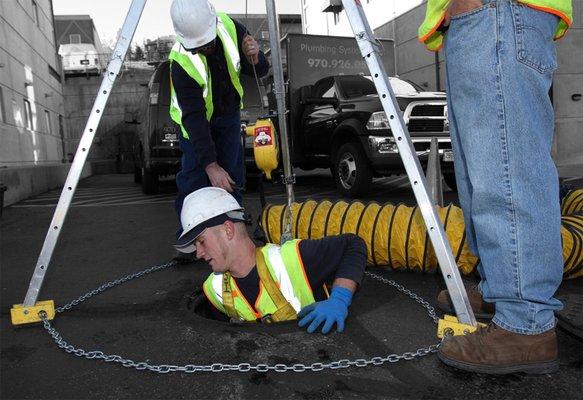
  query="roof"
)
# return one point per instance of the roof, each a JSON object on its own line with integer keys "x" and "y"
{"x": 71, "y": 17}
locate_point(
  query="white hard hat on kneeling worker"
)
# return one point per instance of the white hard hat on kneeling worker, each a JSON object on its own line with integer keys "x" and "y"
{"x": 205, "y": 208}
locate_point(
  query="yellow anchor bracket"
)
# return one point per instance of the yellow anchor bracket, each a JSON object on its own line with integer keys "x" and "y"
{"x": 21, "y": 315}
{"x": 450, "y": 325}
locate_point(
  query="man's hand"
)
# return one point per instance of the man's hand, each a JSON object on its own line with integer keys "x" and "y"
{"x": 457, "y": 7}
{"x": 219, "y": 177}
{"x": 331, "y": 311}
{"x": 251, "y": 49}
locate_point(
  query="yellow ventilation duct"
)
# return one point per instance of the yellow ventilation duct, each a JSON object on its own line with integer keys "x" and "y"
{"x": 396, "y": 235}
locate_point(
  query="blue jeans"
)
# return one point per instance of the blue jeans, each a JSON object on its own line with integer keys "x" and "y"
{"x": 500, "y": 60}
{"x": 226, "y": 134}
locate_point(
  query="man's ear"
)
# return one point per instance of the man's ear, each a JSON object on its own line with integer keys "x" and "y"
{"x": 229, "y": 229}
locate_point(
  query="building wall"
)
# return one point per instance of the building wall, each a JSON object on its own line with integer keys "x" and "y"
{"x": 29, "y": 70}
{"x": 567, "y": 84}
{"x": 257, "y": 25}
{"x": 413, "y": 61}
{"x": 122, "y": 105}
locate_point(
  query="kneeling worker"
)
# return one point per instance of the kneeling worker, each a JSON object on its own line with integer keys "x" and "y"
{"x": 272, "y": 283}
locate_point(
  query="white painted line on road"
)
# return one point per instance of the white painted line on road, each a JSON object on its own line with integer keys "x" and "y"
{"x": 93, "y": 190}
{"x": 105, "y": 199}
{"x": 83, "y": 195}
{"x": 131, "y": 199}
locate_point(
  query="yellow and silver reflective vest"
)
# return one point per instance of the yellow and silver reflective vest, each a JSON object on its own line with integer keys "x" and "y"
{"x": 435, "y": 13}
{"x": 285, "y": 266}
{"x": 196, "y": 67}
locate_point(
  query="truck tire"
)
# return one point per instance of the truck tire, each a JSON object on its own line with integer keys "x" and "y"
{"x": 149, "y": 181}
{"x": 137, "y": 174}
{"x": 352, "y": 171}
{"x": 449, "y": 179}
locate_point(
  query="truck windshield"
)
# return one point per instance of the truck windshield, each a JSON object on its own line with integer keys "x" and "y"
{"x": 356, "y": 86}
{"x": 359, "y": 85}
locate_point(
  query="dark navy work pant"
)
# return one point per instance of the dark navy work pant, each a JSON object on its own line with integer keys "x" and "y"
{"x": 226, "y": 134}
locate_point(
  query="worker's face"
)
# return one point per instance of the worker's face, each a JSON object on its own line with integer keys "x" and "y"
{"x": 211, "y": 247}
{"x": 205, "y": 50}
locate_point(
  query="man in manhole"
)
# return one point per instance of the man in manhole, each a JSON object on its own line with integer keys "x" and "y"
{"x": 271, "y": 283}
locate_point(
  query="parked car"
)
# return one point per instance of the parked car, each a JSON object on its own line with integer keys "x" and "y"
{"x": 80, "y": 59}
{"x": 157, "y": 149}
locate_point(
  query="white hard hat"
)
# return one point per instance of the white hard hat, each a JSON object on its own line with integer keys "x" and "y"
{"x": 195, "y": 22}
{"x": 205, "y": 208}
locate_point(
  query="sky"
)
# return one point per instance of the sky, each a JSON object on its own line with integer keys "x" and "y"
{"x": 108, "y": 15}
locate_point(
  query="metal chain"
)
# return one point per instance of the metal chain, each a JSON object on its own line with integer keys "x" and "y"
{"x": 241, "y": 367}
{"x": 111, "y": 284}
{"x": 402, "y": 289}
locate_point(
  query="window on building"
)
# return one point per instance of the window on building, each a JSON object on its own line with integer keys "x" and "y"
{"x": 2, "y": 111}
{"x": 35, "y": 13}
{"x": 48, "y": 122}
{"x": 28, "y": 115}
{"x": 62, "y": 135}
{"x": 336, "y": 18}
{"x": 75, "y": 38}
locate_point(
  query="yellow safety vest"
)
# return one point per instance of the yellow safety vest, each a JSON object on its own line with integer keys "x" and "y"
{"x": 285, "y": 266}
{"x": 435, "y": 14}
{"x": 196, "y": 67}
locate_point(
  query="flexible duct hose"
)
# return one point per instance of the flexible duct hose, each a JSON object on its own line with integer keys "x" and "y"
{"x": 396, "y": 235}
{"x": 572, "y": 233}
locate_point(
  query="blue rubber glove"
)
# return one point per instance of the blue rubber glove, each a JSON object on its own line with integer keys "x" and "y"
{"x": 333, "y": 310}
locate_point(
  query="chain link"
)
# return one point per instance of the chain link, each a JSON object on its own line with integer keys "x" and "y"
{"x": 242, "y": 367}
{"x": 112, "y": 284}
{"x": 402, "y": 289}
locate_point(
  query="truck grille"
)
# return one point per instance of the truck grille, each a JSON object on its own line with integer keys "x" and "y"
{"x": 425, "y": 125}
{"x": 424, "y": 145}
{"x": 428, "y": 110}
{"x": 427, "y": 117}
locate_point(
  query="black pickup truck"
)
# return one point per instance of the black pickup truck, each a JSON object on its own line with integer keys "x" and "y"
{"x": 339, "y": 123}
{"x": 336, "y": 120}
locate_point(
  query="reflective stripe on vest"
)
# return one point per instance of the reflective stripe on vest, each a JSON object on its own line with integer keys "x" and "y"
{"x": 435, "y": 14}
{"x": 286, "y": 267}
{"x": 196, "y": 67}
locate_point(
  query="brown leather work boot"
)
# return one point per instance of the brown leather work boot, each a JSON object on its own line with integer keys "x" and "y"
{"x": 493, "y": 350}
{"x": 481, "y": 308}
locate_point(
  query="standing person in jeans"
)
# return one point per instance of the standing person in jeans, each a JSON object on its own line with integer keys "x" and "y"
{"x": 210, "y": 53}
{"x": 500, "y": 57}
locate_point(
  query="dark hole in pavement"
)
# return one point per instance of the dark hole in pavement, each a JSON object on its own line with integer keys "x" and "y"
{"x": 198, "y": 304}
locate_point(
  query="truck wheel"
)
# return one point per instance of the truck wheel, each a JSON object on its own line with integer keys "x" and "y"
{"x": 352, "y": 172}
{"x": 449, "y": 179}
{"x": 137, "y": 174}
{"x": 149, "y": 181}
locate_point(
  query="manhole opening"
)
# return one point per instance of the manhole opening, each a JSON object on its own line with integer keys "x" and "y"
{"x": 198, "y": 304}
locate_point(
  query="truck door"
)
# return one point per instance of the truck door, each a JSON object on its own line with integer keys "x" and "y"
{"x": 319, "y": 121}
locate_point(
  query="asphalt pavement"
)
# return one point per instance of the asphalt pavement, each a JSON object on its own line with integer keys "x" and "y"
{"x": 112, "y": 230}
